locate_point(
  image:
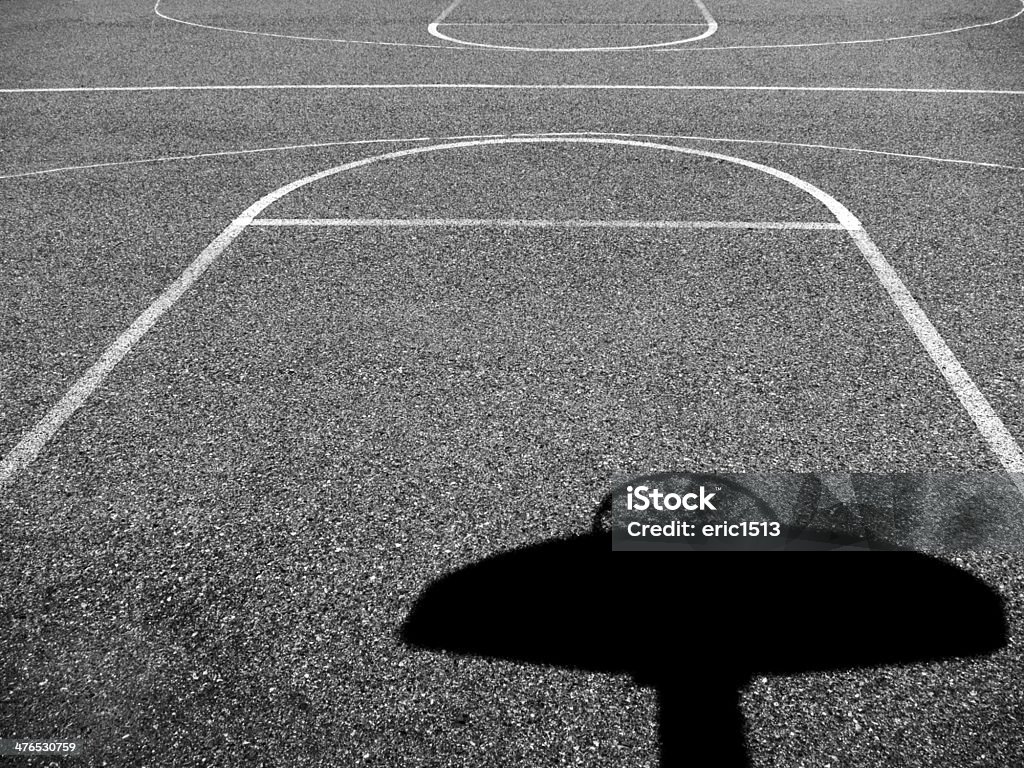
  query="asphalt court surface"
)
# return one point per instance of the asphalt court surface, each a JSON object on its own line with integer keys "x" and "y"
{"x": 210, "y": 558}
{"x": 124, "y": 43}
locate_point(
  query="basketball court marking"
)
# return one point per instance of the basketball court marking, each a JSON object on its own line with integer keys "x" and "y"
{"x": 852, "y": 42}
{"x": 414, "y": 139}
{"x": 513, "y": 87}
{"x": 709, "y": 22}
{"x": 545, "y": 223}
{"x": 465, "y": 46}
{"x": 803, "y": 145}
{"x": 573, "y": 24}
{"x": 990, "y": 426}
{"x": 233, "y": 152}
{"x": 162, "y": 15}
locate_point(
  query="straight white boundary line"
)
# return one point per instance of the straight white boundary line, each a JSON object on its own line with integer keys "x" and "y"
{"x": 990, "y": 426}
{"x": 709, "y": 22}
{"x": 849, "y": 42}
{"x": 546, "y": 223}
{"x": 352, "y": 142}
{"x": 513, "y": 87}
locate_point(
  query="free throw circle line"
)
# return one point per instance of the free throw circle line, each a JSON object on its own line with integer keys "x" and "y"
{"x": 573, "y": 24}
{"x": 709, "y": 22}
{"x": 1000, "y": 442}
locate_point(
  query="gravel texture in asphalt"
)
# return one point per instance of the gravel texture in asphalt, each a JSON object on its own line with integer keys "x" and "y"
{"x": 210, "y": 562}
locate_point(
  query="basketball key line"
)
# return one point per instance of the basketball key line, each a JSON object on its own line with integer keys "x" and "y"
{"x": 547, "y": 223}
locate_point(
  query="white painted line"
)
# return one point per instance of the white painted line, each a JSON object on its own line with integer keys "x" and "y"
{"x": 853, "y": 42}
{"x": 660, "y": 136}
{"x": 32, "y": 443}
{"x": 573, "y": 24}
{"x": 513, "y": 87}
{"x": 800, "y": 145}
{"x": 546, "y": 223}
{"x": 711, "y": 26}
{"x": 990, "y": 426}
{"x": 446, "y": 12}
{"x": 162, "y": 15}
{"x": 225, "y": 153}
{"x": 469, "y": 46}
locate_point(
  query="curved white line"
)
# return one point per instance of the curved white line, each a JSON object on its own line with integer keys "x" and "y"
{"x": 469, "y": 46}
{"x": 852, "y": 42}
{"x": 990, "y": 426}
{"x": 663, "y": 136}
{"x": 162, "y": 15}
{"x": 709, "y": 21}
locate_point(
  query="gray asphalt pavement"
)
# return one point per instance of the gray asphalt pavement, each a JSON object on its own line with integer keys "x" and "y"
{"x": 209, "y": 563}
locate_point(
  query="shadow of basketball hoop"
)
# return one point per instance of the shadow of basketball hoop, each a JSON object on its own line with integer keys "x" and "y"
{"x": 697, "y": 627}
